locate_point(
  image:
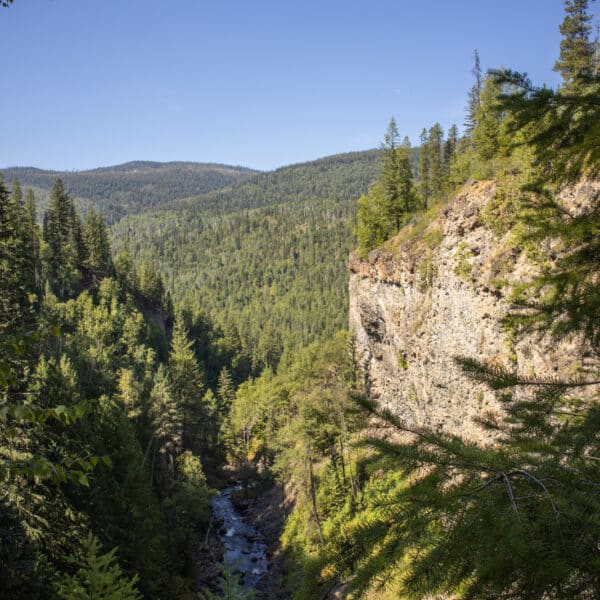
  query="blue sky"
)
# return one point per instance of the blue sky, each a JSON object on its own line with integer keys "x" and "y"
{"x": 91, "y": 83}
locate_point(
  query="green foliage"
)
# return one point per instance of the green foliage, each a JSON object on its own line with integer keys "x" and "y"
{"x": 133, "y": 187}
{"x": 396, "y": 179}
{"x": 488, "y": 136}
{"x": 263, "y": 259}
{"x": 372, "y": 227}
{"x": 439, "y": 515}
{"x": 563, "y": 140}
{"x": 150, "y": 284}
{"x": 63, "y": 245}
{"x": 82, "y": 406}
{"x": 385, "y": 209}
{"x": 97, "y": 248}
{"x": 193, "y": 495}
{"x": 576, "y": 59}
{"x": 17, "y": 267}
{"x": 474, "y": 95}
{"x": 230, "y": 589}
{"x": 99, "y": 577}
{"x": 187, "y": 385}
{"x": 462, "y": 257}
{"x": 434, "y": 151}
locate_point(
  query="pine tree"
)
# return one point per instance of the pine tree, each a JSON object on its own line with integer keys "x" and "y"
{"x": 33, "y": 237}
{"x": 488, "y": 135}
{"x": 187, "y": 385}
{"x": 17, "y": 276}
{"x": 95, "y": 239}
{"x": 424, "y": 169}
{"x": 126, "y": 270}
{"x": 225, "y": 391}
{"x": 372, "y": 226}
{"x": 99, "y": 577}
{"x": 474, "y": 95}
{"x": 576, "y": 58}
{"x": 167, "y": 421}
{"x": 434, "y": 158}
{"x": 396, "y": 178}
{"x": 450, "y": 149}
{"x": 151, "y": 285}
{"x": 62, "y": 237}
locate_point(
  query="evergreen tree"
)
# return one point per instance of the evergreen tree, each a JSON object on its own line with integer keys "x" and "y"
{"x": 225, "y": 390}
{"x": 17, "y": 276}
{"x": 151, "y": 285}
{"x": 99, "y": 577}
{"x": 434, "y": 152}
{"x": 126, "y": 270}
{"x": 489, "y": 135}
{"x": 372, "y": 227}
{"x": 450, "y": 149}
{"x": 62, "y": 236}
{"x": 396, "y": 178}
{"x": 95, "y": 239}
{"x": 576, "y": 58}
{"x": 424, "y": 169}
{"x": 33, "y": 237}
{"x": 167, "y": 422}
{"x": 187, "y": 385}
{"x": 474, "y": 95}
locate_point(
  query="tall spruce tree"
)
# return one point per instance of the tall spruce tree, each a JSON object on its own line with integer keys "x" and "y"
{"x": 63, "y": 243}
{"x": 450, "y": 148}
{"x": 396, "y": 178}
{"x": 33, "y": 236}
{"x": 576, "y": 60}
{"x": 187, "y": 385}
{"x": 434, "y": 154}
{"x": 384, "y": 210}
{"x": 17, "y": 277}
{"x": 424, "y": 169}
{"x": 167, "y": 422}
{"x": 95, "y": 239}
{"x": 474, "y": 95}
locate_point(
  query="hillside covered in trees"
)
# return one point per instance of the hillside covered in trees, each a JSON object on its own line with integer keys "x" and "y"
{"x": 131, "y": 187}
{"x": 184, "y": 328}
{"x": 264, "y": 259}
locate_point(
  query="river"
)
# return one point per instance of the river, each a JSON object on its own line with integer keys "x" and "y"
{"x": 245, "y": 550}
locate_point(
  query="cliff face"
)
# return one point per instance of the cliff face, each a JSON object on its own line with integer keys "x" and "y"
{"x": 432, "y": 294}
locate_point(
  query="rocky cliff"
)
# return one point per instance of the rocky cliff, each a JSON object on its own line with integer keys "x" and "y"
{"x": 440, "y": 290}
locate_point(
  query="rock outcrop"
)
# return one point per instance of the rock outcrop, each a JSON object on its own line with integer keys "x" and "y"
{"x": 434, "y": 293}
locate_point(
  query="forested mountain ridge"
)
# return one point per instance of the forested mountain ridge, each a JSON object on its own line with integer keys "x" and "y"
{"x": 337, "y": 176}
{"x": 265, "y": 258}
{"x": 134, "y": 186}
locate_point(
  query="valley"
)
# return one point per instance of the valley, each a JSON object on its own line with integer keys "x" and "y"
{"x": 370, "y": 375}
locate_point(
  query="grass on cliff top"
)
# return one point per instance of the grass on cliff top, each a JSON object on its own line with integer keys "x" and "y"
{"x": 417, "y": 230}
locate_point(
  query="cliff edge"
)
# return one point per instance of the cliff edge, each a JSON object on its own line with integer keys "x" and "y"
{"x": 440, "y": 290}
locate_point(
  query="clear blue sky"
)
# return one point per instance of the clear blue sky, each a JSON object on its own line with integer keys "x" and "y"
{"x": 90, "y": 83}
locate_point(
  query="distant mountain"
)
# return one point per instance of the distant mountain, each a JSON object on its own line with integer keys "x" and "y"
{"x": 338, "y": 176}
{"x": 132, "y": 187}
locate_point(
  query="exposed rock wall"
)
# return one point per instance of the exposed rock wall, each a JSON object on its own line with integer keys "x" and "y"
{"x": 419, "y": 302}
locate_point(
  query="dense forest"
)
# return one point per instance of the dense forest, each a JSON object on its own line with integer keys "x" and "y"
{"x": 264, "y": 259}
{"x": 186, "y": 323}
{"x": 131, "y": 187}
